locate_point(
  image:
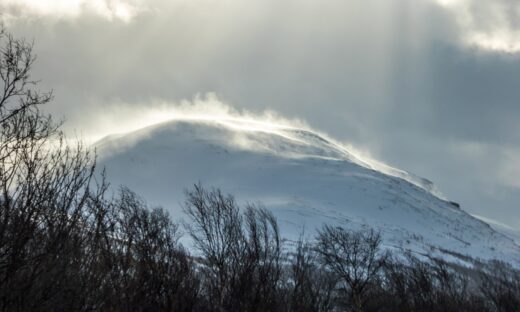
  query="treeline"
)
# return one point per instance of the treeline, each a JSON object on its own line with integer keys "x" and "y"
{"x": 66, "y": 245}
{"x": 119, "y": 255}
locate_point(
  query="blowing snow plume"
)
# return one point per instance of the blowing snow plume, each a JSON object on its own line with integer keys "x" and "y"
{"x": 122, "y": 119}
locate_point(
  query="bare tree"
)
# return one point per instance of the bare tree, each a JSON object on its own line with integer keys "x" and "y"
{"x": 216, "y": 231}
{"x": 355, "y": 257}
{"x": 241, "y": 252}
{"x": 148, "y": 269}
{"x": 262, "y": 262}
{"x": 312, "y": 287}
{"x": 43, "y": 186}
{"x": 63, "y": 244}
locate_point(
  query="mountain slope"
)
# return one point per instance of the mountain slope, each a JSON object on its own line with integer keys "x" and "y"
{"x": 304, "y": 178}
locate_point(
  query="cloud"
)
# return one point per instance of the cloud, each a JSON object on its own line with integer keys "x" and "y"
{"x": 488, "y": 25}
{"x": 123, "y": 10}
{"x": 509, "y": 171}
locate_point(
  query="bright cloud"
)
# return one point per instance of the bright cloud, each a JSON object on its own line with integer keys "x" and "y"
{"x": 489, "y": 25}
{"x": 123, "y": 10}
{"x": 510, "y": 168}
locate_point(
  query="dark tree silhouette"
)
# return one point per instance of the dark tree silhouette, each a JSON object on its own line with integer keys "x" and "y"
{"x": 501, "y": 287}
{"x": 241, "y": 252}
{"x": 355, "y": 257}
{"x": 312, "y": 287}
{"x": 63, "y": 244}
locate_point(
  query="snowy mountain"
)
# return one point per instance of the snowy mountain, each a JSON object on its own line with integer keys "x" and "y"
{"x": 305, "y": 178}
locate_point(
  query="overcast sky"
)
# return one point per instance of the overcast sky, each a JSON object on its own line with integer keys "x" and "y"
{"x": 428, "y": 86}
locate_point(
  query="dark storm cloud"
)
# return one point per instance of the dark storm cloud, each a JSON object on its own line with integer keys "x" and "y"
{"x": 397, "y": 78}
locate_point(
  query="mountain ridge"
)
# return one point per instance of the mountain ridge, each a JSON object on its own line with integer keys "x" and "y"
{"x": 304, "y": 178}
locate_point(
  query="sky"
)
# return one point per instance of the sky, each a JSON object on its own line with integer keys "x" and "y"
{"x": 428, "y": 86}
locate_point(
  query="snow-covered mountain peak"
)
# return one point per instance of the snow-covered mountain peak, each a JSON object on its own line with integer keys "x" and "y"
{"x": 306, "y": 178}
{"x": 247, "y": 134}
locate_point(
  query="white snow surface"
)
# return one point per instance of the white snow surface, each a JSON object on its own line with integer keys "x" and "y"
{"x": 304, "y": 178}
